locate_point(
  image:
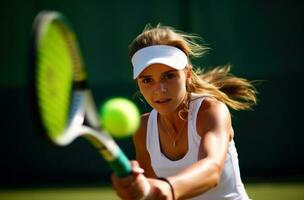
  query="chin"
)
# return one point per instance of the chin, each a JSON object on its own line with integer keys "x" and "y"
{"x": 165, "y": 110}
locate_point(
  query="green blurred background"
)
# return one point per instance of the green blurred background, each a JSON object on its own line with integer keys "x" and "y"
{"x": 261, "y": 39}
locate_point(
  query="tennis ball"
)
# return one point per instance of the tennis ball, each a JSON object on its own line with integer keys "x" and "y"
{"x": 119, "y": 117}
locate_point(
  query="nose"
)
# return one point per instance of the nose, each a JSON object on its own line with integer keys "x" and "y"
{"x": 161, "y": 88}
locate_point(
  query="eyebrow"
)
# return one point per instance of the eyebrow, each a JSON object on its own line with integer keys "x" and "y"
{"x": 166, "y": 72}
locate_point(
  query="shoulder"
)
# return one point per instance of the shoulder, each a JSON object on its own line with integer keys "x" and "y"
{"x": 213, "y": 106}
{"x": 213, "y": 114}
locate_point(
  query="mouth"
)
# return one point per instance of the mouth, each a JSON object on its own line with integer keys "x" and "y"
{"x": 162, "y": 101}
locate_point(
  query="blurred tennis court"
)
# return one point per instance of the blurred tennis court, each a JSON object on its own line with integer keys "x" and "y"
{"x": 257, "y": 191}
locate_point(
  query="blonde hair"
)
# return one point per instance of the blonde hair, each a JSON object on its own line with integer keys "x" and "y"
{"x": 237, "y": 93}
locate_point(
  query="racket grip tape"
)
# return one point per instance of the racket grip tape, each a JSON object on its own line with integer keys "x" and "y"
{"x": 121, "y": 164}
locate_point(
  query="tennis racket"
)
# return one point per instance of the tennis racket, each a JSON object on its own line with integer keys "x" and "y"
{"x": 62, "y": 99}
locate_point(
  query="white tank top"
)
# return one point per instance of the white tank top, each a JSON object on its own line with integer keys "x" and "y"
{"x": 230, "y": 186}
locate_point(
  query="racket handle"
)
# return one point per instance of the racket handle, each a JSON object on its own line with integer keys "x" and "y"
{"x": 121, "y": 164}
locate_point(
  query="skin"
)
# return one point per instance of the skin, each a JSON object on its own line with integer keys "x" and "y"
{"x": 164, "y": 88}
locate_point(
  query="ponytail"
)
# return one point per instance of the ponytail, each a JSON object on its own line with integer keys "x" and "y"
{"x": 237, "y": 93}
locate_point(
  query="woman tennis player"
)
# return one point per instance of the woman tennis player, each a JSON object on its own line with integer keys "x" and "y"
{"x": 185, "y": 145}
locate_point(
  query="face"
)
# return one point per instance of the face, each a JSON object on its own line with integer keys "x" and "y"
{"x": 163, "y": 87}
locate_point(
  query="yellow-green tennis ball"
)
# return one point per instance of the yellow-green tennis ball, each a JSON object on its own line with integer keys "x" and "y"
{"x": 119, "y": 117}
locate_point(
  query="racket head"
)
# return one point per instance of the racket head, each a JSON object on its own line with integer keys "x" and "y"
{"x": 57, "y": 70}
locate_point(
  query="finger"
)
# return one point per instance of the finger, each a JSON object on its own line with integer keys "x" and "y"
{"x": 136, "y": 168}
{"x": 118, "y": 190}
{"x": 123, "y": 181}
{"x": 122, "y": 189}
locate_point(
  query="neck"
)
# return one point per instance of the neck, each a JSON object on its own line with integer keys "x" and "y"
{"x": 173, "y": 121}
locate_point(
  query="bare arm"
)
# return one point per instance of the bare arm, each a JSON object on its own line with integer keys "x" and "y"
{"x": 142, "y": 155}
{"x": 214, "y": 127}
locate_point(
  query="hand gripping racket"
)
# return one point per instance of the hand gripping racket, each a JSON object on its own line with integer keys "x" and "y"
{"x": 62, "y": 100}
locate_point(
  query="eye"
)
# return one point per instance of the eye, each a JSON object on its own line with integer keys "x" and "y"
{"x": 169, "y": 76}
{"x": 146, "y": 80}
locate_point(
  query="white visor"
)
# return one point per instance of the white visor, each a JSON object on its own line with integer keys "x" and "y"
{"x": 163, "y": 54}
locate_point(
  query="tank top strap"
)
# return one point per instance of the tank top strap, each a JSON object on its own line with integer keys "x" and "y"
{"x": 195, "y": 105}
